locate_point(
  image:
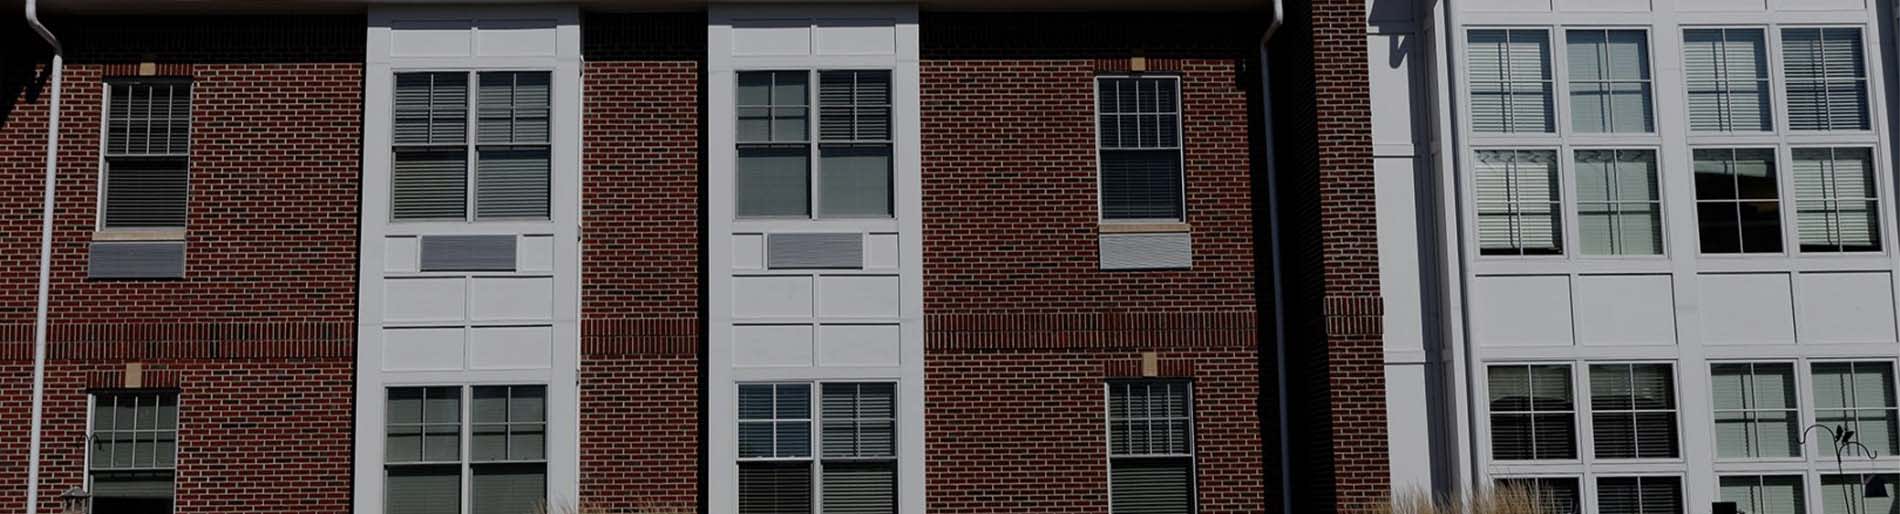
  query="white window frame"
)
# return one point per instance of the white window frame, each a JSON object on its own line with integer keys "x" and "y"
{"x": 1675, "y": 391}
{"x": 1193, "y": 432}
{"x": 465, "y": 465}
{"x": 105, "y": 167}
{"x": 471, "y": 145}
{"x": 178, "y": 430}
{"x": 1180, "y": 130}
{"x": 1802, "y": 403}
{"x": 1649, "y": 69}
{"x": 814, "y": 168}
{"x": 1586, "y": 468}
{"x": 815, "y": 395}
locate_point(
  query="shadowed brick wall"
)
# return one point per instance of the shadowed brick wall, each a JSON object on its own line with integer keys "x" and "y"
{"x": 1023, "y": 328}
{"x": 257, "y": 338}
{"x": 641, "y": 253}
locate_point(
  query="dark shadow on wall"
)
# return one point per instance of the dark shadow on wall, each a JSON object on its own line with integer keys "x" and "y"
{"x": 24, "y": 63}
{"x": 211, "y": 39}
{"x": 1086, "y": 36}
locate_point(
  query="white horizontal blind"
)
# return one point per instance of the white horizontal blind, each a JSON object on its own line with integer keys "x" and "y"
{"x": 1518, "y": 204}
{"x": 1609, "y": 81}
{"x": 1726, "y": 70}
{"x": 1151, "y": 459}
{"x": 512, "y": 171}
{"x": 422, "y": 470}
{"x": 1826, "y": 78}
{"x": 775, "y": 488}
{"x": 1860, "y": 397}
{"x": 1619, "y": 205}
{"x": 1139, "y": 130}
{"x": 854, "y": 144}
{"x": 1533, "y": 413}
{"x": 1633, "y": 411}
{"x": 1756, "y": 414}
{"x": 429, "y": 169}
{"x": 774, "y": 144}
{"x": 1511, "y": 81}
{"x": 1639, "y": 495}
{"x": 147, "y": 147}
{"x": 1738, "y": 207}
{"x": 1765, "y": 494}
{"x": 1835, "y": 202}
{"x": 858, "y": 428}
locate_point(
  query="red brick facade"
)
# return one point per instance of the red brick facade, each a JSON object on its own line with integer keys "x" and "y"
{"x": 1023, "y": 328}
{"x": 257, "y": 338}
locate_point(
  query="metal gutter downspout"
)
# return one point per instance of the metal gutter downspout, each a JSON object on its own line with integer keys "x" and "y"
{"x": 46, "y": 258}
{"x": 1273, "y": 238}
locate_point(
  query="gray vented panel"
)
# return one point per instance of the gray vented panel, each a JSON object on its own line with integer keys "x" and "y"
{"x": 468, "y": 253}
{"x": 137, "y": 260}
{"x": 820, "y": 250}
{"x": 1147, "y": 251}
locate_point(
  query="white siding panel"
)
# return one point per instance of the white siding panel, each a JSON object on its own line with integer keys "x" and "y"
{"x": 772, "y": 297}
{"x": 748, "y": 251}
{"x": 1820, "y": 5}
{"x": 399, "y": 254}
{"x": 422, "y": 349}
{"x": 1747, "y": 308}
{"x": 1605, "y": 5}
{"x": 1393, "y": 91}
{"x": 431, "y": 38}
{"x": 1722, "y": 5}
{"x": 1509, "y": 5}
{"x": 1846, "y": 308}
{"x": 1407, "y": 417}
{"x": 510, "y": 347}
{"x": 880, "y": 251}
{"x": 859, "y": 345}
{"x": 859, "y": 296}
{"x": 424, "y": 299}
{"x": 1625, "y": 309}
{"x": 511, "y": 298}
{"x": 771, "y": 345}
{"x": 1521, "y": 311}
{"x": 771, "y": 37}
{"x": 505, "y": 38}
{"x": 856, "y": 37}
{"x": 535, "y": 254}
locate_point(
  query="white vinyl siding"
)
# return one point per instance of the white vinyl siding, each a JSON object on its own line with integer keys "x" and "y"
{"x": 1519, "y": 208}
{"x": 147, "y": 154}
{"x": 1633, "y": 411}
{"x": 1639, "y": 495}
{"x": 1619, "y": 203}
{"x": 1738, "y": 206}
{"x": 1765, "y": 494}
{"x": 1533, "y": 412}
{"x": 1756, "y": 411}
{"x": 1151, "y": 447}
{"x": 1511, "y": 80}
{"x": 1826, "y": 78}
{"x": 852, "y": 176}
{"x": 1726, "y": 70}
{"x": 1609, "y": 81}
{"x": 1138, "y": 128}
{"x": 432, "y": 152}
{"x": 855, "y": 469}
{"x": 1835, "y": 199}
{"x": 1860, "y": 397}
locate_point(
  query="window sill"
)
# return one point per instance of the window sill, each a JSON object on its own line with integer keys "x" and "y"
{"x": 139, "y": 234}
{"x": 1145, "y": 228}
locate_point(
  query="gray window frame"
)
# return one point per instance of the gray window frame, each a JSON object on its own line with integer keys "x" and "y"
{"x": 1189, "y": 457}
{"x": 107, "y": 156}
{"x": 471, "y": 145}
{"x": 814, "y": 143}
{"x": 1179, "y": 148}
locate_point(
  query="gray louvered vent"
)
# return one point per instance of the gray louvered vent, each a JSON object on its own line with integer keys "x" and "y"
{"x": 815, "y": 250}
{"x": 1147, "y": 251}
{"x": 468, "y": 253}
{"x": 137, "y": 260}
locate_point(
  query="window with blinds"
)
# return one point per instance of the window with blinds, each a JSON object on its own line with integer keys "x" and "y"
{"x": 506, "y": 459}
{"x": 434, "y": 144}
{"x": 1756, "y": 412}
{"x": 859, "y": 432}
{"x": 1843, "y": 494}
{"x": 856, "y": 466}
{"x": 1640, "y": 495}
{"x": 1151, "y": 447}
{"x": 852, "y": 176}
{"x": 147, "y": 153}
{"x": 1859, "y": 396}
{"x": 1835, "y": 200}
{"x": 1619, "y": 205}
{"x": 1138, "y": 127}
{"x": 1519, "y": 208}
{"x": 1609, "y": 81}
{"x": 1553, "y": 495}
{"x": 1738, "y": 208}
{"x": 1633, "y": 411}
{"x": 1510, "y": 80}
{"x": 1764, "y": 494}
{"x": 1726, "y": 71}
{"x": 134, "y": 438}
{"x": 1533, "y": 412}
{"x": 1826, "y": 78}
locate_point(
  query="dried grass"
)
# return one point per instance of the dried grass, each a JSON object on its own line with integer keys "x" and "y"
{"x": 1499, "y": 500}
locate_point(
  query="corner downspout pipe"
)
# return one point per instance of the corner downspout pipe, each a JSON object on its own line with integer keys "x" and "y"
{"x": 46, "y": 261}
{"x": 1273, "y": 238}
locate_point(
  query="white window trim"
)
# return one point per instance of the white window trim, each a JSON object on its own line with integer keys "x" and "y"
{"x": 1180, "y": 130}
{"x": 92, "y": 402}
{"x": 815, "y": 461}
{"x": 100, "y": 231}
{"x": 471, "y": 145}
{"x": 814, "y": 168}
{"x": 1108, "y": 433}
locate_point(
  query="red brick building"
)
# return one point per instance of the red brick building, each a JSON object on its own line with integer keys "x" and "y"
{"x": 322, "y": 258}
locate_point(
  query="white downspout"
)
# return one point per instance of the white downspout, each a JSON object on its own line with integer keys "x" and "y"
{"x": 1273, "y": 241}
{"x": 46, "y": 262}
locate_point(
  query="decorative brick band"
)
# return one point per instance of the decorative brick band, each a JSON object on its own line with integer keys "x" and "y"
{"x": 1164, "y": 368}
{"x": 1149, "y": 64}
{"x": 163, "y": 69}
{"x": 176, "y": 341}
{"x": 652, "y": 336}
{"x": 1354, "y": 315}
{"x": 1014, "y": 331}
{"x": 149, "y": 379}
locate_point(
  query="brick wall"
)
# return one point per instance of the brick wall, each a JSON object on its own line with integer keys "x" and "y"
{"x": 258, "y": 337}
{"x": 1023, "y": 328}
{"x": 641, "y": 261}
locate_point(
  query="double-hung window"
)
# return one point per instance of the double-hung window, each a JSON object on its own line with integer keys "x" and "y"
{"x": 1511, "y": 80}
{"x": 1639, "y": 495}
{"x": 856, "y": 460}
{"x": 147, "y": 154}
{"x": 1138, "y": 127}
{"x": 1775, "y": 494}
{"x": 505, "y": 462}
{"x": 1533, "y": 412}
{"x": 434, "y": 145}
{"x": 1519, "y": 208}
{"x": 1726, "y": 70}
{"x": 1738, "y": 209}
{"x": 1633, "y": 411}
{"x": 1609, "y": 81}
{"x": 1835, "y": 199}
{"x": 852, "y": 174}
{"x": 1151, "y": 447}
{"x": 1826, "y": 76}
{"x": 134, "y": 440}
{"x": 1859, "y": 396}
{"x": 1756, "y": 411}
{"x": 1845, "y": 494}
{"x": 1619, "y": 203}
